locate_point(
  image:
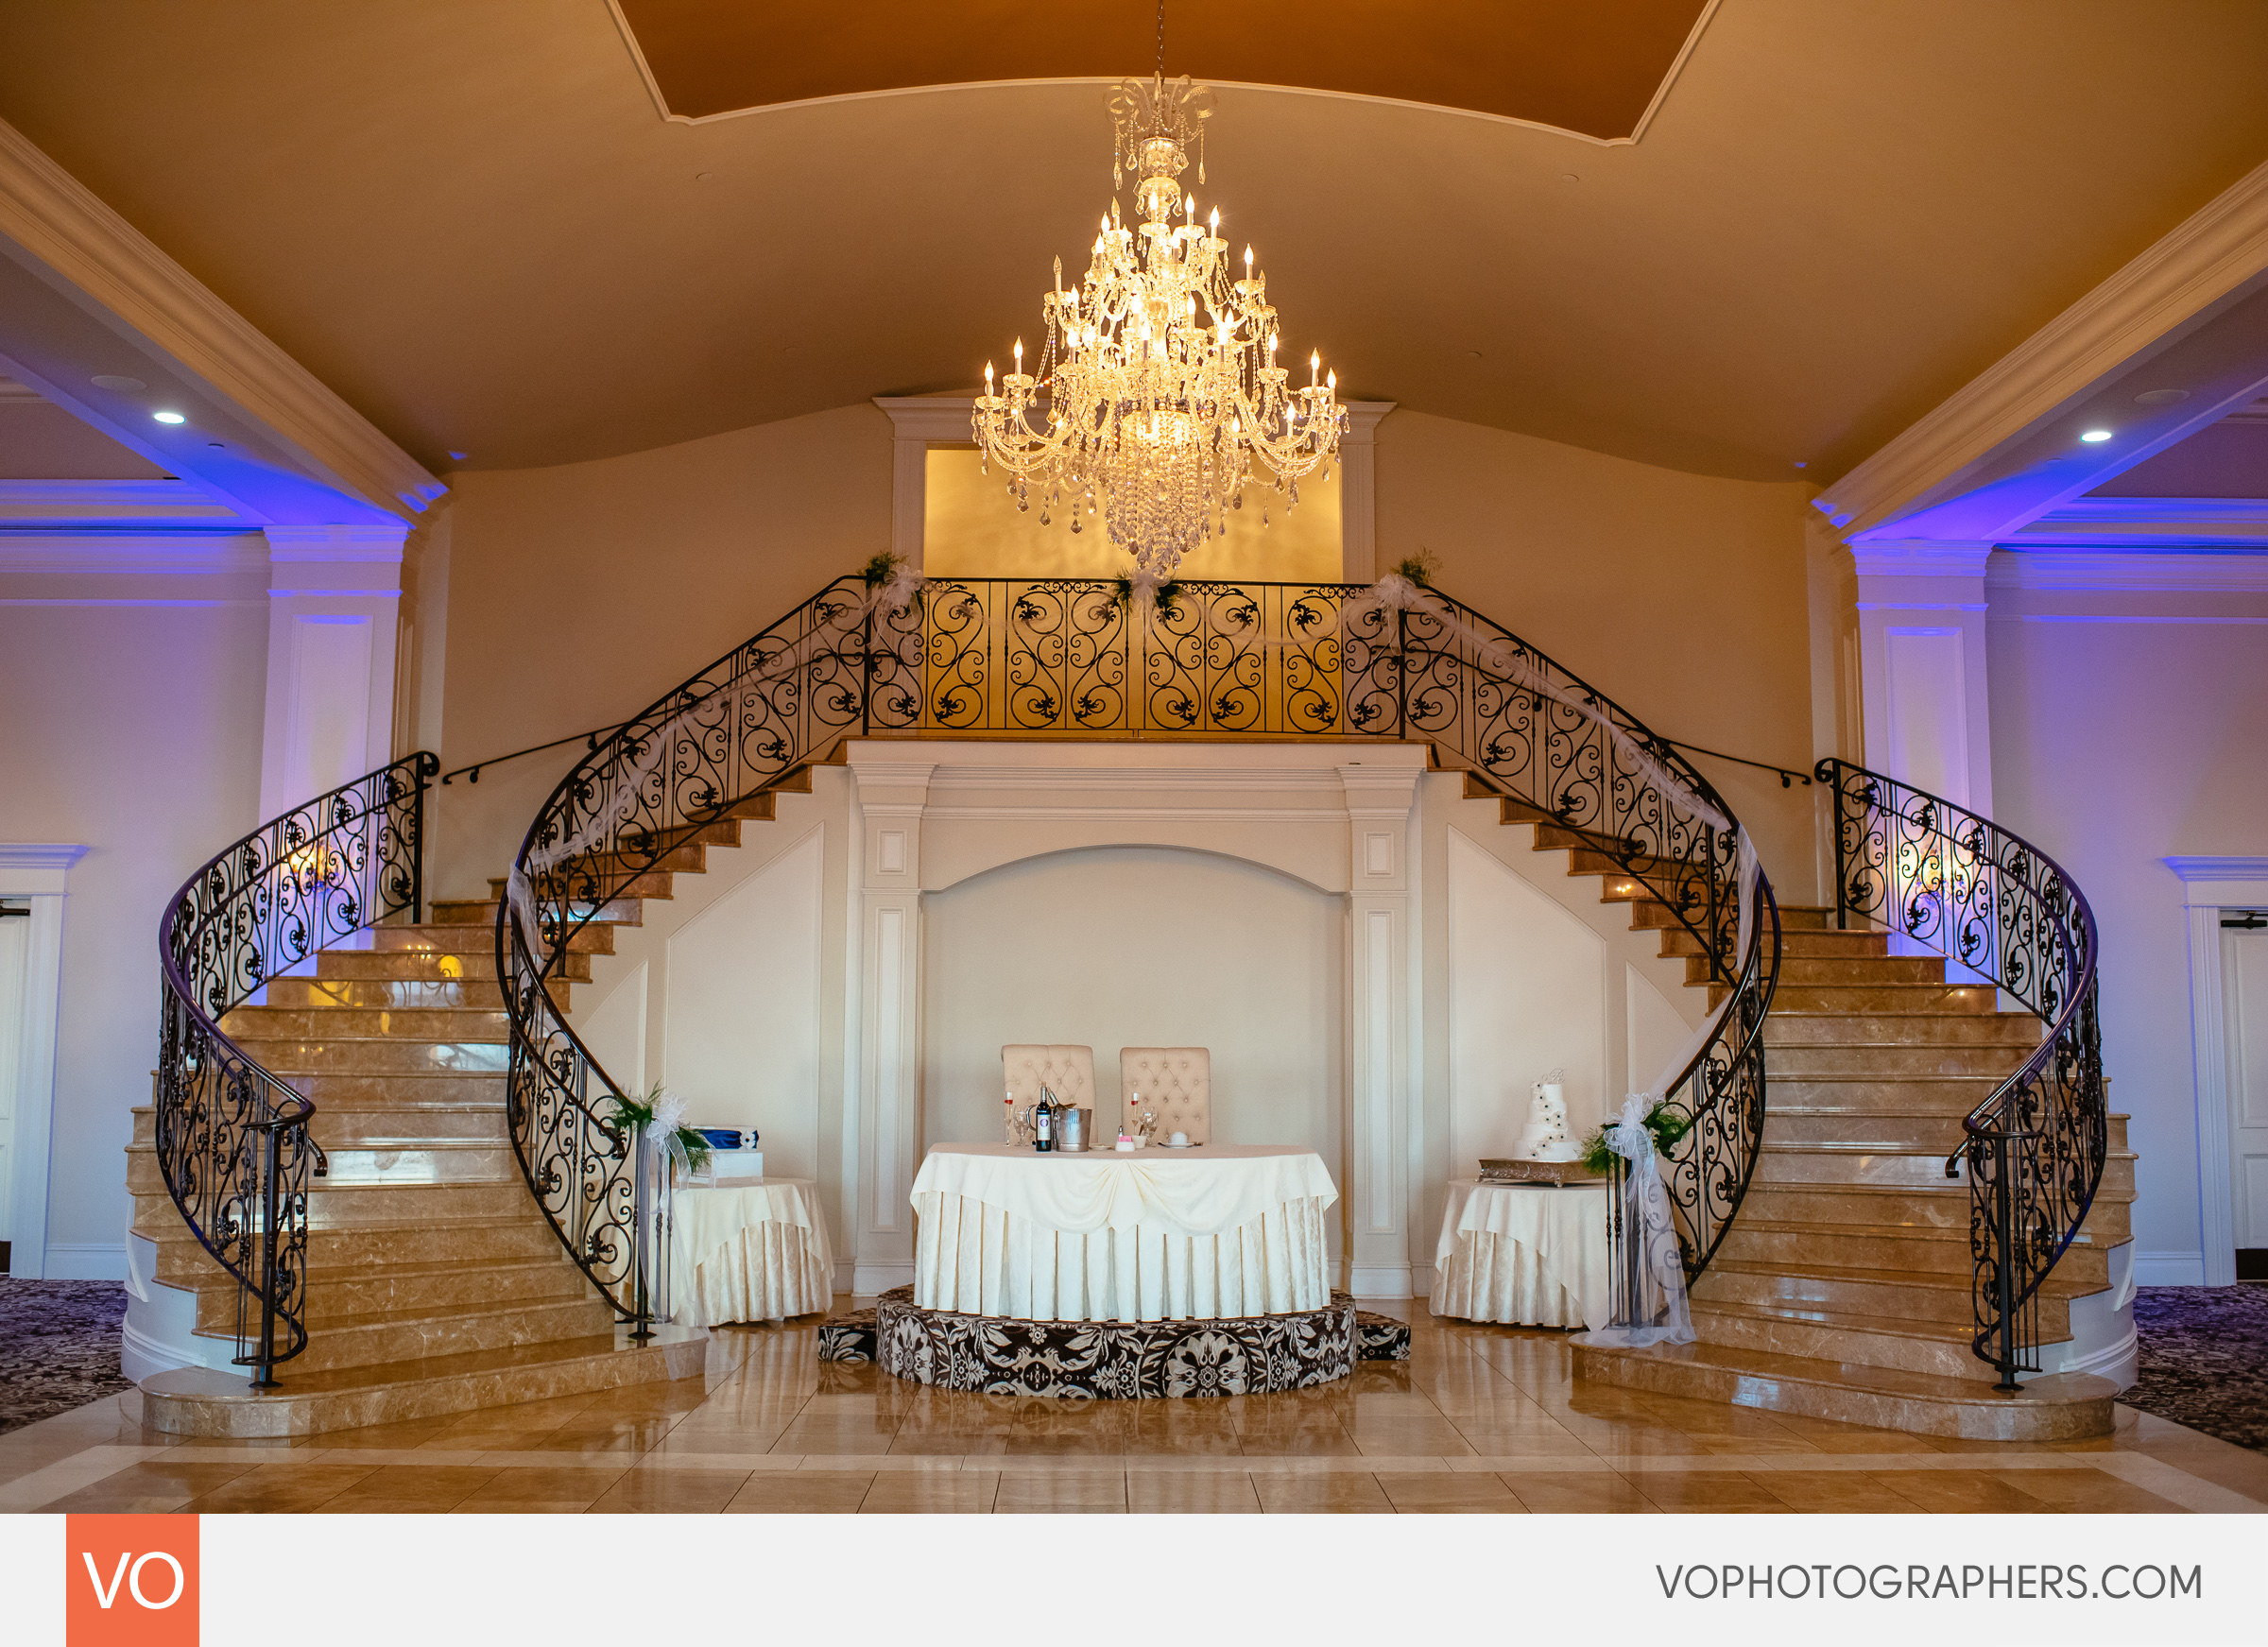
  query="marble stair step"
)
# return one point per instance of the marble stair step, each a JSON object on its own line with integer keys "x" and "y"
{"x": 409, "y": 1290}
{"x": 1925, "y": 1130}
{"x": 481, "y": 912}
{"x": 1878, "y": 999}
{"x": 374, "y": 1248}
{"x": 473, "y": 961}
{"x": 1796, "y": 1028}
{"x": 386, "y": 994}
{"x": 1772, "y": 1244}
{"x": 390, "y": 1205}
{"x": 1940, "y": 1348}
{"x": 1913, "y": 1206}
{"x": 433, "y": 1023}
{"x": 194, "y": 1401}
{"x": 1861, "y": 969}
{"x": 367, "y": 1125}
{"x": 2062, "y": 1407}
{"x": 373, "y": 1055}
{"x": 1859, "y": 1094}
{"x": 393, "y": 1336}
{"x": 1940, "y": 1298}
{"x": 1886, "y": 1059}
{"x": 411, "y": 1089}
{"x": 1677, "y": 941}
{"x": 594, "y": 937}
{"x": 1850, "y": 1163}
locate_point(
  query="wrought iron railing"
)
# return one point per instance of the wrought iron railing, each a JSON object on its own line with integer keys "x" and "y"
{"x": 232, "y": 1138}
{"x": 1961, "y": 885}
{"x": 1069, "y": 658}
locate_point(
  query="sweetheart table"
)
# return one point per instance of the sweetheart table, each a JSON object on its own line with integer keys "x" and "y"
{"x": 1154, "y": 1235}
{"x": 753, "y": 1251}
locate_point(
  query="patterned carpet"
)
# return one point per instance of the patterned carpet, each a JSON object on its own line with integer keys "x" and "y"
{"x": 59, "y": 1348}
{"x": 2204, "y": 1359}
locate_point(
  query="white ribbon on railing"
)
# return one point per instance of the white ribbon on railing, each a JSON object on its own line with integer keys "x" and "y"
{"x": 1656, "y": 1310}
{"x": 894, "y": 595}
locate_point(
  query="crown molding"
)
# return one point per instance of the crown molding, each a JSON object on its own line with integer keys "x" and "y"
{"x": 2234, "y": 573}
{"x": 60, "y": 222}
{"x": 2217, "y": 249}
{"x": 30, "y": 869}
{"x": 2210, "y": 883}
{"x": 12, "y": 392}
{"x": 2118, "y": 521}
{"x": 1920, "y": 559}
{"x": 139, "y": 553}
{"x": 55, "y": 504}
{"x": 935, "y": 420}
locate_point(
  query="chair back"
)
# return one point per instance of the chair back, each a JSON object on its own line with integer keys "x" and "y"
{"x": 1066, "y": 1071}
{"x": 1176, "y": 1083}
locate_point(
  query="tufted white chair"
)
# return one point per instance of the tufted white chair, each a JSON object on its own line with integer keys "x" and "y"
{"x": 1175, "y": 1082}
{"x": 1066, "y": 1071}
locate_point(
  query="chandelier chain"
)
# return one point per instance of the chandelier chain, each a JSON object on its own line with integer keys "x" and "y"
{"x": 1161, "y": 40}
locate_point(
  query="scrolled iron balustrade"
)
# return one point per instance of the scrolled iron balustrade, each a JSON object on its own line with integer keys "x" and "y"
{"x": 233, "y": 1143}
{"x": 1991, "y": 901}
{"x": 1091, "y": 659}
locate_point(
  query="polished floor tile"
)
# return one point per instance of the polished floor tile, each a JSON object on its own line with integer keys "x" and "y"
{"x": 1481, "y": 1419}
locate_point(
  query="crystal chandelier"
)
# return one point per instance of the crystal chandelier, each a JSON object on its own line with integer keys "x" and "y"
{"x": 1157, "y": 387}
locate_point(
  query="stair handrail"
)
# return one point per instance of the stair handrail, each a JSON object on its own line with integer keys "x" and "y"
{"x": 1987, "y": 899}
{"x": 1007, "y": 657}
{"x": 232, "y": 1137}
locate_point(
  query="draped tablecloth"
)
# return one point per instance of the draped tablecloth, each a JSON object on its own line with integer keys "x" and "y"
{"x": 1154, "y": 1235}
{"x": 749, "y": 1252}
{"x": 1522, "y": 1254}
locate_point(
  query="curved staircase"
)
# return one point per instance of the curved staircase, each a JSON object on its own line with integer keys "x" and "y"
{"x": 464, "y": 1239}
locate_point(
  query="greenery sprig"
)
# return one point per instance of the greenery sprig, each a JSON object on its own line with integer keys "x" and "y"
{"x": 1167, "y": 593}
{"x": 880, "y": 569}
{"x": 638, "y": 1115}
{"x": 1667, "y": 1125}
{"x": 1419, "y": 568}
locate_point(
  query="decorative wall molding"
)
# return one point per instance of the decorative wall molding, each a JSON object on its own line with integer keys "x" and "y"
{"x": 2209, "y": 885}
{"x": 1920, "y": 559}
{"x": 2217, "y": 249}
{"x": 2122, "y": 570}
{"x": 132, "y": 554}
{"x": 61, "y": 223}
{"x": 2209, "y": 522}
{"x": 60, "y": 505}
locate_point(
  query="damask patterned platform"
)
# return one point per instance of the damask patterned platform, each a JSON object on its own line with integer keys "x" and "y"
{"x": 1102, "y": 1360}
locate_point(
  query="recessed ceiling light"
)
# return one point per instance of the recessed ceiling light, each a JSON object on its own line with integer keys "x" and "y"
{"x": 2161, "y": 397}
{"x": 124, "y": 385}
{"x": 1570, "y": 176}
{"x": 458, "y": 455}
{"x": 169, "y": 417}
{"x": 1472, "y": 355}
{"x": 2095, "y": 436}
{"x": 703, "y": 176}
{"x": 1803, "y": 466}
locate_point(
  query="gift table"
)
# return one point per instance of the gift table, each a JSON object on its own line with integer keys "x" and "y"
{"x": 1522, "y": 1254}
{"x": 753, "y": 1251}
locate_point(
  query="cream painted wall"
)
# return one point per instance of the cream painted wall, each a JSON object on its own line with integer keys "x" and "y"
{"x": 580, "y": 594}
{"x": 1681, "y": 597}
{"x": 1136, "y": 946}
{"x": 134, "y": 730}
{"x": 2117, "y": 742}
{"x": 1527, "y": 995}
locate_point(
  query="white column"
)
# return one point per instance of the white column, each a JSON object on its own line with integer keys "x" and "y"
{"x": 334, "y": 599}
{"x": 1358, "y": 490}
{"x": 1921, "y": 660}
{"x": 1379, "y": 962}
{"x": 886, "y": 963}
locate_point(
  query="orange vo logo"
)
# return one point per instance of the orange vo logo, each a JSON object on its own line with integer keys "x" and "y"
{"x": 130, "y": 1581}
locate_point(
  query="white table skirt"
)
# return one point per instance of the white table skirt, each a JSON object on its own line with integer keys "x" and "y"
{"x": 749, "y": 1252}
{"x": 1111, "y": 1237}
{"x": 1523, "y": 1255}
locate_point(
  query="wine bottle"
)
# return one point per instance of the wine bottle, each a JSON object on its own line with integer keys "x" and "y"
{"x": 1043, "y": 1125}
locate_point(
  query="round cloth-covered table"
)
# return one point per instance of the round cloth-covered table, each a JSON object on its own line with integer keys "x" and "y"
{"x": 1523, "y": 1254}
{"x": 1154, "y": 1235}
{"x": 749, "y": 1252}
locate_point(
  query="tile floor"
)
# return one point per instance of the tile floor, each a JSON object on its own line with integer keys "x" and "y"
{"x": 1480, "y": 1418}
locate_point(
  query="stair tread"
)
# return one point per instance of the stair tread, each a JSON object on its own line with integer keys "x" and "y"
{"x": 465, "y": 1364}
{"x": 1837, "y": 1320}
{"x": 2039, "y": 1390}
{"x": 468, "y": 1309}
{"x": 1949, "y": 1280}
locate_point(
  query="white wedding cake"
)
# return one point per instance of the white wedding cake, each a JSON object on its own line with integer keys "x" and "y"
{"x": 1544, "y": 1138}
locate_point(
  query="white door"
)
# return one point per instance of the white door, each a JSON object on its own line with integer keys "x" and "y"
{"x": 15, "y": 943}
{"x": 2245, "y": 983}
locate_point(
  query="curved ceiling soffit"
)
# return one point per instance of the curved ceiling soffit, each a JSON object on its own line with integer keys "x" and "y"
{"x": 1706, "y": 12}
